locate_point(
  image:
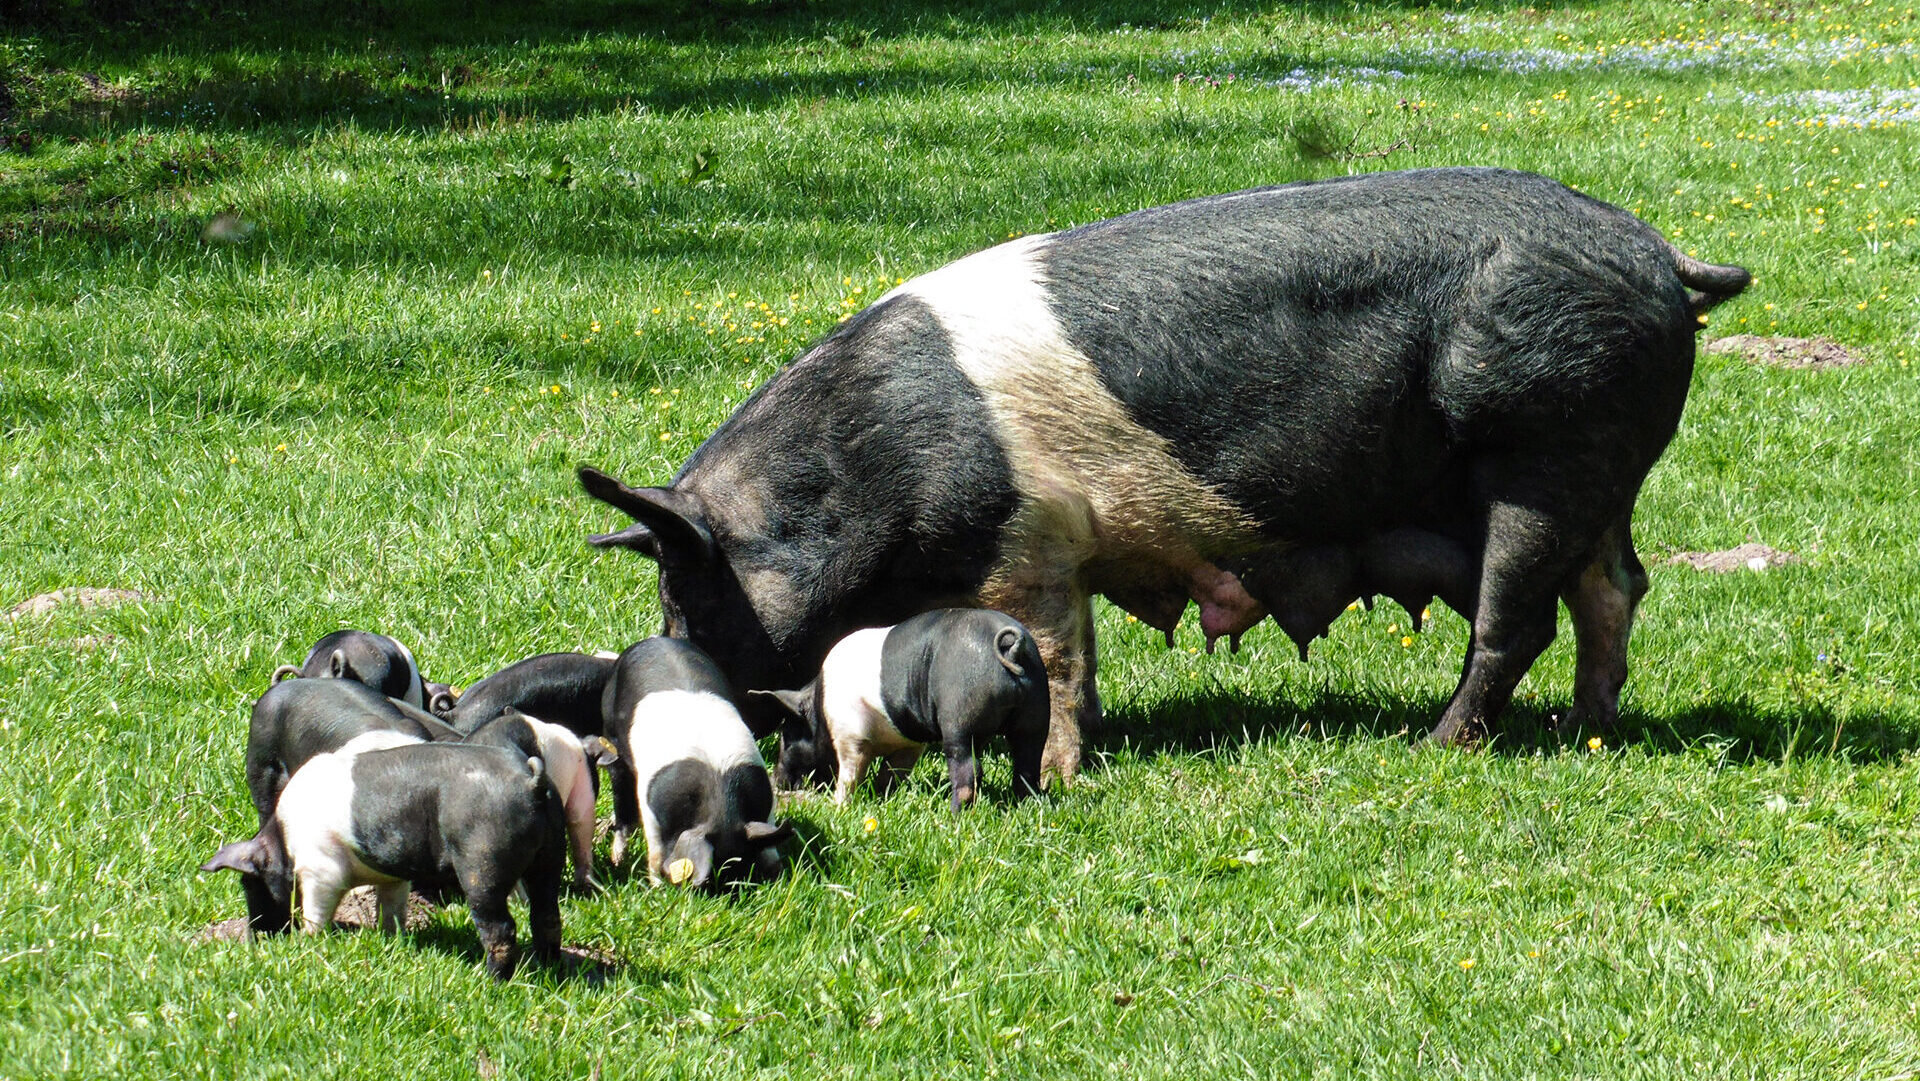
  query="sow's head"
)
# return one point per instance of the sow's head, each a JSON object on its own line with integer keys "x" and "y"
{"x": 725, "y": 592}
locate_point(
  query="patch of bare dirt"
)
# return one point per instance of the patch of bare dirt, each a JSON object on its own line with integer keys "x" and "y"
{"x": 83, "y": 596}
{"x": 103, "y": 91}
{"x": 357, "y": 912}
{"x": 233, "y": 930}
{"x": 1797, "y": 353}
{"x": 1747, "y": 557}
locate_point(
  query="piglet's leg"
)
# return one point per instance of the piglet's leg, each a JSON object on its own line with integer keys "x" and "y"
{"x": 543, "y": 882}
{"x": 390, "y": 902}
{"x": 320, "y": 893}
{"x": 963, "y": 770}
{"x": 855, "y": 758}
{"x": 1026, "y": 732}
{"x": 626, "y": 809}
{"x": 495, "y": 923}
{"x": 580, "y": 823}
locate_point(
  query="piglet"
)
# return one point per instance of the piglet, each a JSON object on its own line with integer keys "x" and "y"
{"x": 486, "y": 816}
{"x": 701, "y": 785}
{"x": 953, "y": 676}
{"x": 568, "y": 764}
{"x": 380, "y": 662}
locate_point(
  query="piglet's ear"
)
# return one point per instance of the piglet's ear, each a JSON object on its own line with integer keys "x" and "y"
{"x": 793, "y": 702}
{"x": 675, "y": 521}
{"x": 338, "y": 667}
{"x": 763, "y": 834}
{"x": 599, "y": 751}
{"x": 242, "y": 856}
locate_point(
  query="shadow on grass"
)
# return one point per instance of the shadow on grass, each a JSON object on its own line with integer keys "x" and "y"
{"x": 1736, "y": 730}
{"x": 129, "y": 30}
{"x": 590, "y": 966}
{"x": 406, "y": 65}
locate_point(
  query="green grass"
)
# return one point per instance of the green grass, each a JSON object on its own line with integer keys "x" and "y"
{"x": 484, "y": 251}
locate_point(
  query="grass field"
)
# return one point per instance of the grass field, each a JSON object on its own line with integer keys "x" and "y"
{"x": 308, "y": 311}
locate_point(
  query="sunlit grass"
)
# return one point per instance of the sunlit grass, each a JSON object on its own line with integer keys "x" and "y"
{"x": 478, "y": 255}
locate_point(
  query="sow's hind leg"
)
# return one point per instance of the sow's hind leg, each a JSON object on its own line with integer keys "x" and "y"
{"x": 1602, "y": 600}
{"x": 1535, "y": 541}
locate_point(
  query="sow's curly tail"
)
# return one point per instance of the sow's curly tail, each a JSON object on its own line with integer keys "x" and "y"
{"x": 1707, "y": 283}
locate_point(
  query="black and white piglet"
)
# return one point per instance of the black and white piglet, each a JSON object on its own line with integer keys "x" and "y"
{"x": 484, "y": 816}
{"x": 705, "y": 801}
{"x": 380, "y": 662}
{"x": 300, "y": 718}
{"x": 291, "y": 724}
{"x": 952, "y": 676}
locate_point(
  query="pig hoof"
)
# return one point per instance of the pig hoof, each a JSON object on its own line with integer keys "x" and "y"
{"x": 617, "y": 850}
{"x": 501, "y": 961}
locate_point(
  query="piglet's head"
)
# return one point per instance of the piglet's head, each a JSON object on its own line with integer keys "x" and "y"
{"x": 725, "y": 590}
{"x": 806, "y": 750}
{"x": 727, "y": 856}
{"x": 266, "y": 877}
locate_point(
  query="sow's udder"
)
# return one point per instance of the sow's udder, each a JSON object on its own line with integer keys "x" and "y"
{"x": 1306, "y": 589}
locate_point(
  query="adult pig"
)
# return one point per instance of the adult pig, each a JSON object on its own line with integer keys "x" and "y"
{"x": 1159, "y": 405}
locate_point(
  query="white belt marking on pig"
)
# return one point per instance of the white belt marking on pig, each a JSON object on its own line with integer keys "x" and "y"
{"x": 316, "y": 817}
{"x": 850, "y": 695}
{"x": 671, "y": 726}
{"x": 1094, "y": 483}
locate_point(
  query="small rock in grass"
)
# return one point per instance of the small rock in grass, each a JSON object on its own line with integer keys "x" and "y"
{"x": 84, "y": 596}
{"x": 1750, "y": 556}
{"x": 1815, "y": 353}
{"x": 233, "y": 930}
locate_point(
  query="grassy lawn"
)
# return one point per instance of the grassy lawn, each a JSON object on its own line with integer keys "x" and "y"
{"x": 307, "y": 312}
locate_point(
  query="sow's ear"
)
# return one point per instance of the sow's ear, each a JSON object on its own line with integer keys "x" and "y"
{"x": 666, "y": 520}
